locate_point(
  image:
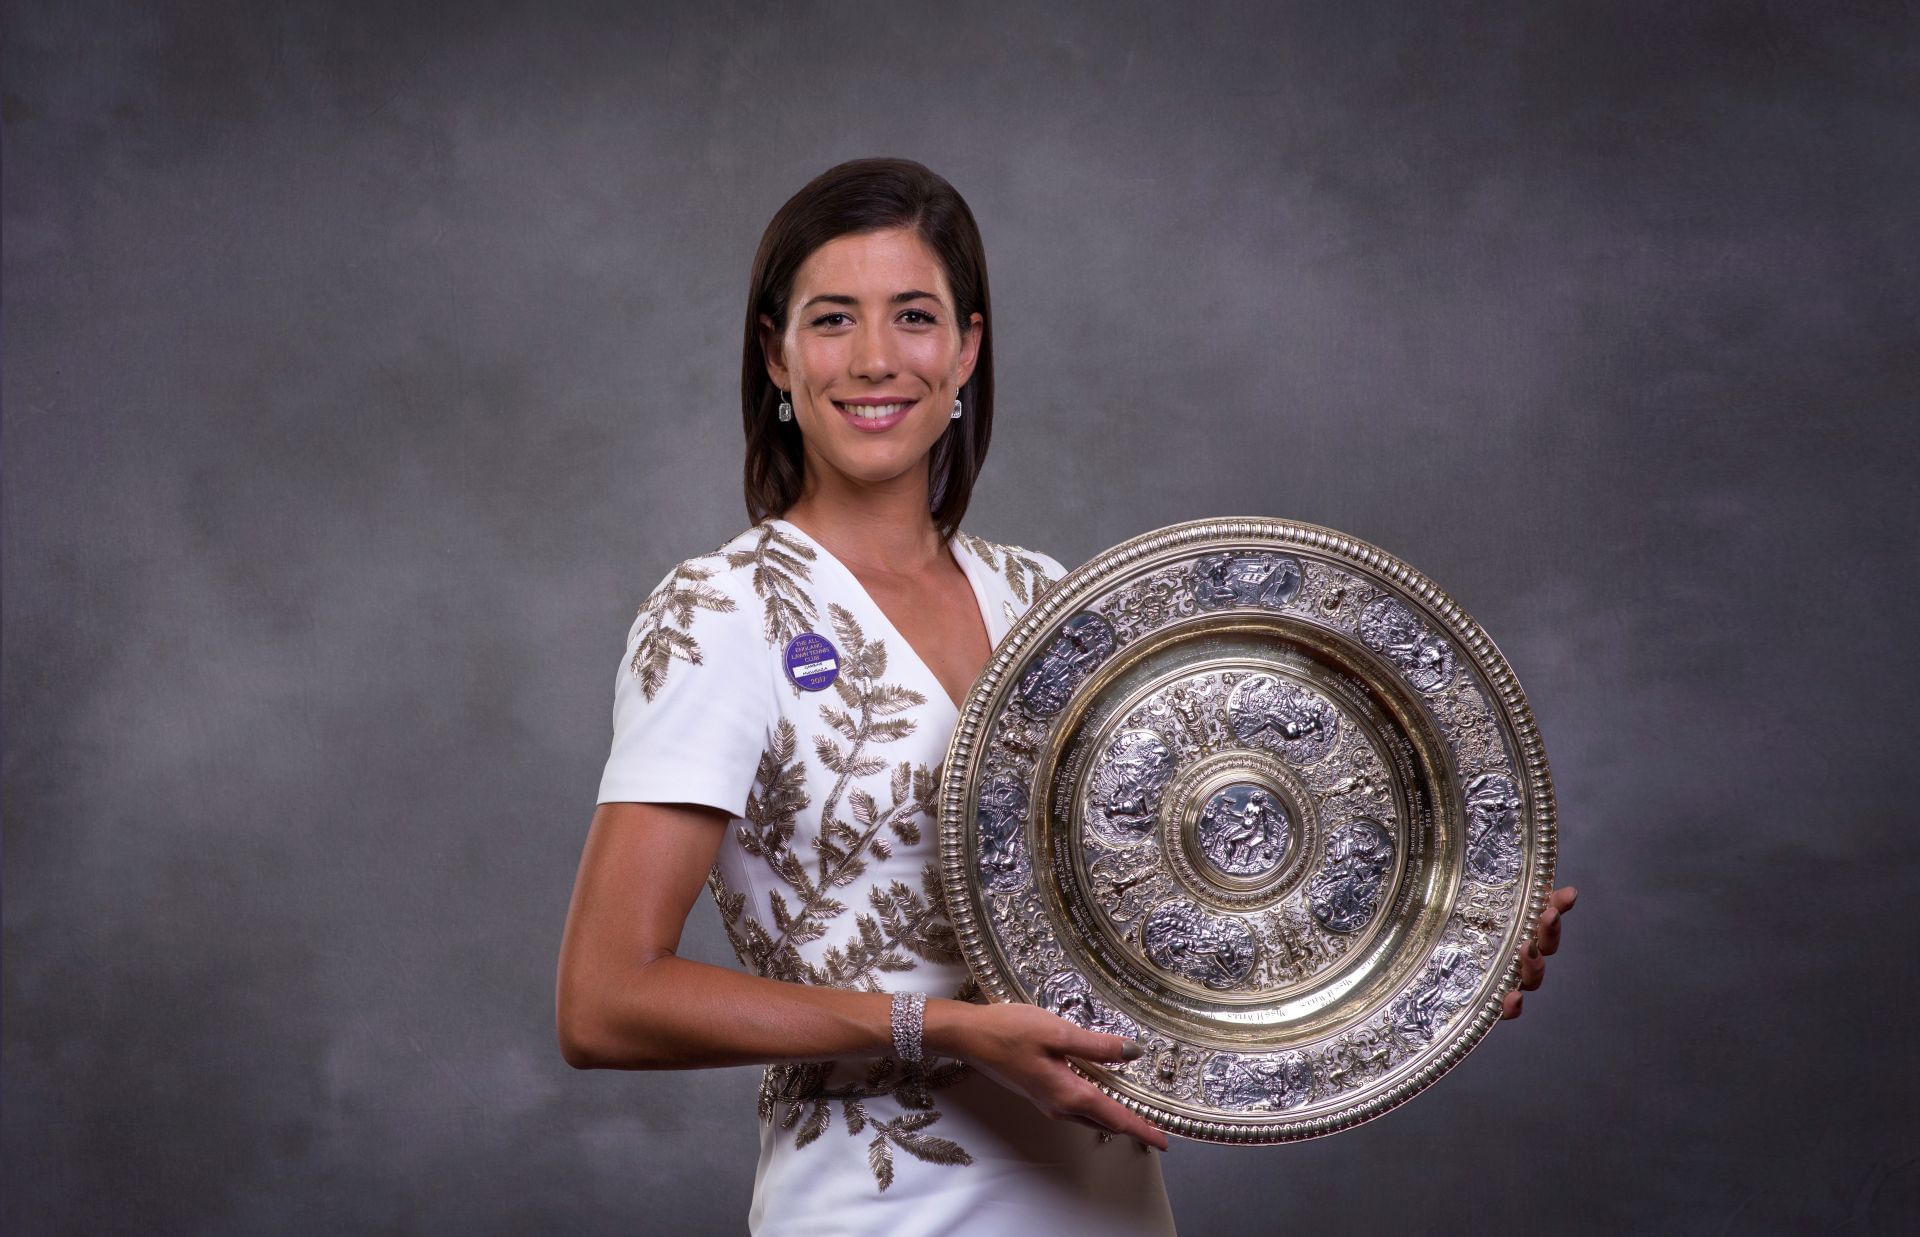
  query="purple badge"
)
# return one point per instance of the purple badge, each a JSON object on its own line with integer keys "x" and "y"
{"x": 812, "y": 663}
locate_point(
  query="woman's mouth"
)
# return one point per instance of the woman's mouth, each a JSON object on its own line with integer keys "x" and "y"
{"x": 872, "y": 417}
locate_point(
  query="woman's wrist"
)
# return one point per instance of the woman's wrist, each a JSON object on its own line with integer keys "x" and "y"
{"x": 945, "y": 1024}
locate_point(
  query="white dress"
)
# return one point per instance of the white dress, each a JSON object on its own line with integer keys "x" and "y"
{"x": 829, "y": 875}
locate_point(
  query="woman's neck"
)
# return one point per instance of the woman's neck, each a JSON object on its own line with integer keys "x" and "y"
{"x": 883, "y": 531}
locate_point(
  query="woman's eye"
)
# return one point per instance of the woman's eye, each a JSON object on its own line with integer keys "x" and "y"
{"x": 919, "y": 317}
{"x": 836, "y": 318}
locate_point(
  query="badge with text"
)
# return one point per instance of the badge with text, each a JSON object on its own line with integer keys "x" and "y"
{"x": 812, "y": 663}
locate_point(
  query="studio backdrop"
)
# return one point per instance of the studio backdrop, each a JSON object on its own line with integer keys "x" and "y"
{"x": 367, "y": 364}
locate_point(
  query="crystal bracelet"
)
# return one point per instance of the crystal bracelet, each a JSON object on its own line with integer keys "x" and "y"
{"x": 909, "y": 1024}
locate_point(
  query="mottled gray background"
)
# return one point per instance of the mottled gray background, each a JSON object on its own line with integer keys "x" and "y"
{"x": 366, "y": 364}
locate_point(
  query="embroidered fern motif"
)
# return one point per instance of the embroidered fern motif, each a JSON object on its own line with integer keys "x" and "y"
{"x": 871, "y": 717}
{"x": 1023, "y": 574}
{"x": 983, "y": 550}
{"x": 776, "y": 800}
{"x": 903, "y": 922}
{"x": 779, "y": 565}
{"x": 899, "y": 923}
{"x": 678, "y": 596}
{"x": 796, "y": 1098}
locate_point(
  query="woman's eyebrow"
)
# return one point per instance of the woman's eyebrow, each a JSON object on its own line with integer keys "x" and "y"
{"x": 898, "y": 298}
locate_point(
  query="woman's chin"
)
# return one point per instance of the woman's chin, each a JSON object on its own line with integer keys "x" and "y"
{"x": 879, "y": 470}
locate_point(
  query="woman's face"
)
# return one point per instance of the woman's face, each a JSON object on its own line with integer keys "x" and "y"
{"x": 872, "y": 356}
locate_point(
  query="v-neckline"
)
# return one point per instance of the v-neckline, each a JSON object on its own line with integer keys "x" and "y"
{"x": 969, "y": 567}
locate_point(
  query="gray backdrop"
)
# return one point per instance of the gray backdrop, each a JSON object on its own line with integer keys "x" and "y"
{"x": 366, "y": 365}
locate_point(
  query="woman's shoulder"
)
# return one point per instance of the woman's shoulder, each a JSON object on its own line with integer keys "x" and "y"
{"x": 742, "y": 561}
{"x": 1026, "y": 572}
{"x": 753, "y": 588}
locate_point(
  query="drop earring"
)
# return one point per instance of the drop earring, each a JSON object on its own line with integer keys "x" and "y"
{"x": 786, "y": 409}
{"x": 955, "y": 414}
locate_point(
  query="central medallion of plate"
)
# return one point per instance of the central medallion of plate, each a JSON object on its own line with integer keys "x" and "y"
{"x": 1243, "y": 830}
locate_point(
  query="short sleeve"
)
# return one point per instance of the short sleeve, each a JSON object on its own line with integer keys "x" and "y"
{"x": 692, "y": 697}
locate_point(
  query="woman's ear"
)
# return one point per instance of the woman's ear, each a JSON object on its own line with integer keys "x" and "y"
{"x": 773, "y": 348}
{"x": 970, "y": 349}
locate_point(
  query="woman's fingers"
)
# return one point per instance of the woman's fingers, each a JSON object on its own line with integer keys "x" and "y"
{"x": 1105, "y": 1133}
{"x": 1533, "y": 968}
{"x": 1094, "y": 1046}
{"x": 1546, "y": 939}
{"x": 1088, "y": 1101}
{"x": 1035, "y": 1062}
{"x": 1559, "y": 902}
{"x": 1097, "y": 1106}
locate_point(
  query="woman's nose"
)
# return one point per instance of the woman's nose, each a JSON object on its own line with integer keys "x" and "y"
{"x": 873, "y": 357}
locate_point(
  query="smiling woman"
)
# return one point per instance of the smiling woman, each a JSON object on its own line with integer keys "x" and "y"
{"x": 875, "y": 357}
{"x": 848, "y": 203}
{"x": 781, "y": 712}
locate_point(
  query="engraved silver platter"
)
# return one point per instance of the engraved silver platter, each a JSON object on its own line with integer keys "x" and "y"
{"x": 1260, "y": 793}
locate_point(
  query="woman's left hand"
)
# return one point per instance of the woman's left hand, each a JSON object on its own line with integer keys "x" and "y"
{"x": 1546, "y": 939}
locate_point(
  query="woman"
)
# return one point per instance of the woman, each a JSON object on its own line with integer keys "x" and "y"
{"x": 780, "y": 717}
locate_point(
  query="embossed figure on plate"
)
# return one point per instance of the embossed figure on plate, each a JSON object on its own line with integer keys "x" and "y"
{"x": 1085, "y": 640}
{"x": 1451, "y": 977}
{"x": 1129, "y": 883}
{"x": 1223, "y": 580}
{"x": 1213, "y": 951}
{"x": 1003, "y": 834}
{"x": 1243, "y": 830}
{"x": 1493, "y": 830}
{"x": 1127, "y": 782}
{"x": 1068, "y": 994}
{"x": 1258, "y": 1083}
{"x": 1391, "y": 629}
{"x": 1359, "y": 1055}
{"x": 1283, "y": 718}
{"x": 1346, "y": 890}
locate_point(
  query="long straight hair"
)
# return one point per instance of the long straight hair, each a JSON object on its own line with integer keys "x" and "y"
{"x": 866, "y": 195}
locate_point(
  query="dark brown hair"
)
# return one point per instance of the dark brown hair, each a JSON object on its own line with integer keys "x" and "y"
{"x": 866, "y": 195}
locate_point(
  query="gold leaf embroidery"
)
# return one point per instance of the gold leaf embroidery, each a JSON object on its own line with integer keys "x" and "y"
{"x": 898, "y": 927}
{"x": 880, "y": 1160}
{"x": 1024, "y": 575}
{"x": 795, "y": 1095}
{"x": 982, "y": 549}
{"x": 678, "y": 597}
{"x": 780, "y": 570}
{"x": 814, "y": 1126}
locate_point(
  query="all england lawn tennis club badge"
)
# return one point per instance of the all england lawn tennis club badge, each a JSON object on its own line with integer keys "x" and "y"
{"x": 812, "y": 663}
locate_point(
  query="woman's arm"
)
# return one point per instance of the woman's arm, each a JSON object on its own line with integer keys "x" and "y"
{"x": 626, "y": 1001}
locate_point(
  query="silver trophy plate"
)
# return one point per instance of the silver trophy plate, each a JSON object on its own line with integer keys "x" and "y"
{"x": 1261, "y": 794}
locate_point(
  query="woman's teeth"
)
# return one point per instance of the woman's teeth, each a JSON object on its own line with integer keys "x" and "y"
{"x": 874, "y": 412}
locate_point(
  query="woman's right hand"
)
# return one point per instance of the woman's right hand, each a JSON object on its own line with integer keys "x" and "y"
{"x": 1025, "y": 1049}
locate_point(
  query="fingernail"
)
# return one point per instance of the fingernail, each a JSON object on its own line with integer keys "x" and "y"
{"x": 1133, "y": 1049}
